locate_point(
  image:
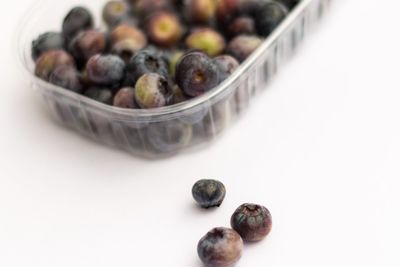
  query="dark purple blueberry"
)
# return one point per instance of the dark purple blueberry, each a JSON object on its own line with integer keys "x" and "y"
{"x": 144, "y": 8}
{"x": 242, "y": 46}
{"x": 289, "y": 3}
{"x": 152, "y": 91}
{"x": 209, "y": 193}
{"x": 196, "y": 73}
{"x": 47, "y": 41}
{"x": 226, "y": 65}
{"x": 220, "y": 247}
{"x": 164, "y": 28}
{"x": 67, "y": 77}
{"x": 253, "y": 222}
{"x": 114, "y": 11}
{"x": 145, "y": 61}
{"x": 227, "y": 10}
{"x": 125, "y": 98}
{"x": 207, "y": 40}
{"x": 78, "y": 19}
{"x": 200, "y": 11}
{"x": 105, "y": 70}
{"x": 102, "y": 95}
{"x": 126, "y": 40}
{"x": 242, "y": 25}
{"x": 269, "y": 16}
{"x": 87, "y": 44}
{"x": 50, "y": 60}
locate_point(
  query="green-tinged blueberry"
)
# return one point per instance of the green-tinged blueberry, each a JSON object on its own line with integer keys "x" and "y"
{"x": 209, "y": 193}
{"x": 47, "y": 41}
{"x": 68, "y": 77}
{"x": 269, "y": 16}
{"x": 105, "y": 70}
{"x": 87, "y": 44}
{"x": 152, "y": 91}
{"x": 78, "y": 19}
{"x": 253, "y": 222}
{"x": 50, "y": 60}
{"x": 145, "y": 61}
{"x": 114, "y": 11}
{"x": 207, "y": 40}
{"x": 226, "y": 65}
{"x": 220, "y": 247}
{"x": 100, "y": 94}
{"x": 125, "y": 98}
{"x": 174, "y": 58}
{"x": 164, "y": 28}
{"x": 242, "y": 46}
{"x": 196, "y": 73}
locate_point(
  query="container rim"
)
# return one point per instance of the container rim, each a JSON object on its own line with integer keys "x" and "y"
{"x": 212, "y": 95}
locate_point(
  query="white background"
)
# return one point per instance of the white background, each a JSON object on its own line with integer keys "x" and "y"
{"x": 320, "y": 148}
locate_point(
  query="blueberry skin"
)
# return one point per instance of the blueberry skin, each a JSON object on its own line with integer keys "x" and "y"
{"x": 105, "y": 70}
{"x": 207, "y": 40}
{"x": 196, "y": 74}
{"x": 226, "y": 65}
{"x": 50, "y": 60}
{"x": 102, "y": 95}
{"x": 67, "y": 77}
{"x": 126, "y": 40}
{"x": 220, "y": 247}
{"x": 164, "y": 28}
{"x": 114, "y": 11}
{"x": 145, "y": 61}
{"x": 242, "y": 25}
{"x": 152, "y": 91}
{"x": 253, "y": 222}
{"x": 87, "y": 44}
{"x": 242, "y": 46}
{"x": 125, "y": 98}
{"x": 209, "y": 193}
{"x": 289, "y": 3}
{"x": 47, "y": 41}
{"x": 78, "y": 19}
{"x": 269, "y": 16}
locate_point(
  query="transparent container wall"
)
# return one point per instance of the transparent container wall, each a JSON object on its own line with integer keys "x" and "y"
{"x": 163, "y": 133}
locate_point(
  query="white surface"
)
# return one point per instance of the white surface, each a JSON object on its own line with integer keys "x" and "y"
{"x": 320, "y": 149}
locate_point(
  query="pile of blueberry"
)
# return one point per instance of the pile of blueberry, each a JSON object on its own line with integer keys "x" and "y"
{"x": 154, "y": 53}
{"x": 221, "y": 246}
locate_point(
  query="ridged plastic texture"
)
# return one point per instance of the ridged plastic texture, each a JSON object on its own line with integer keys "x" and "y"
{"x": 169, "y": 130}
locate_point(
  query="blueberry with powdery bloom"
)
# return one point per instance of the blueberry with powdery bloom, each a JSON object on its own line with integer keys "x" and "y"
{"x": 105, "y": 70}
{"x": 78, "y": 19}
{"x": 50, "y": 60}
{"x": 125, "y": 98}
{"x": 46, "y": 42}
{"x": 209, "y": 193}
{"x": 87, "y": 44}
{"x": 226, "y": 65}
{"x": 220, "y": 247}
{"x": 253, "y": 222}
{"x": 114, "y": 11}
{"x": 152, "y": 91}
{"x": 196, "y": 73}
{"x": 67, "y": 77}
{"x": 269, "y": 16}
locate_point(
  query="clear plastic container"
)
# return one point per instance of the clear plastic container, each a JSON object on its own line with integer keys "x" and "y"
{"x": 164, "y": 131}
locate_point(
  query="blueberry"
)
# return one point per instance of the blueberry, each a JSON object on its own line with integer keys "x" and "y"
{"x": 253, "y": 222}
{"x": 164, "y": 28}
{"x": 200, "y": 11}
{"x": 78, "y": 19}
{"x": 269, "y": 16}
{"x": 102, "y": 95}
{"x": 144, "y": 8}
{"x": 207, "y": 40}
{"x": 220, "y": 247}
{"x": 105, "y": 70}
{"x": 289, "y": 3}
{"x": 87, "y": 44}
{"x": 126, "y": 40}
{"x": 114, "y": 11}
{"x": 242, "y": 46}
{"x": 226, "y": 65}
{"x": 209, "y": 193}
{"x": 145, "y": 61}
{"x": 177, "y": 95}
{"x": 47, "y": 41}
{"x": 227, "y": 10}
{"x": 67, "y": 77}
{"x": 152, "y": 91}
{"x": 125, "y": 98}
{"x": 242, "y": 25}
{"x": 50, "y": 60}
{"x": 196, "y": 73}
